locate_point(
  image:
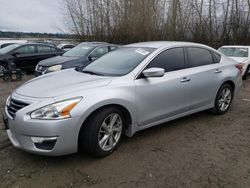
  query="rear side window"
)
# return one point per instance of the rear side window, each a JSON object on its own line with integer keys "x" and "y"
{"x": 170, "y": 60}
{"x": 217, "y": 57}
{"x": 28, "y": 49}
{"x": 199, "y": 57}
{"x": 43, "y": 49}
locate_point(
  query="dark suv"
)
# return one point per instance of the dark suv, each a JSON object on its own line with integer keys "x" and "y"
{"x": 27, "y": 55}
{"x": 79, "y": 56}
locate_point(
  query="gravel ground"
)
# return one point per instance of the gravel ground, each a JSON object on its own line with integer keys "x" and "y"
{"x": 200, "y": 150}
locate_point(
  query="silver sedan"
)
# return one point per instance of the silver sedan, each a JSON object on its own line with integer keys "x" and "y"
{"x": 133, "y": 88}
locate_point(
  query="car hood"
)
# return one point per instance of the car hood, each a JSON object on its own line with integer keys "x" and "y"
{"x": 61, "y": 83}
{"x": 239, "y": 59}
{"x": 57, "y": 60}
{"x": 4, "y": 57}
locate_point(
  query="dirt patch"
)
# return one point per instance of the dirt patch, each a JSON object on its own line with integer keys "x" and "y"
{"x": 200, "y": 150}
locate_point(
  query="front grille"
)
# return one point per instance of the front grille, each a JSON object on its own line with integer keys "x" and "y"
{"x": 14, "y": 106}
{"x": 40, "y": 68}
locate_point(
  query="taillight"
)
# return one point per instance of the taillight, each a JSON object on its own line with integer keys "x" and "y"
{"x": 240, "y": 67}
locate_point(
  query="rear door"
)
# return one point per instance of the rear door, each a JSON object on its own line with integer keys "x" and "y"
{"x": 161, "y": 98}
{"x": 45, "y": 52}
{"x": 205, "y": 74}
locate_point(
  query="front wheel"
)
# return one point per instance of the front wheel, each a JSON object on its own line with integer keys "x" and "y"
{"x": 102, "y": 132}
{"x": 223, "y": 99}
{"x": 2, "y": 69}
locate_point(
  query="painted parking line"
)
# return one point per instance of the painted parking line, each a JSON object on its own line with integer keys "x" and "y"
{"x": 247, "y": 100}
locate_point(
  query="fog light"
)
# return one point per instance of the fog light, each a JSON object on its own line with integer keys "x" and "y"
{"x": 44, "y": 143}
{"x": 40, "y": 140}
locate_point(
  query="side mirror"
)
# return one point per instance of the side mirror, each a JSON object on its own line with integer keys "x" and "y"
{"x": 15, "y": 54}
{"x": 153, "y": 72}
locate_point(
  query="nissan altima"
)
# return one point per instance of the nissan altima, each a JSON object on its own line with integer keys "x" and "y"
{"x": 133, "y": 88}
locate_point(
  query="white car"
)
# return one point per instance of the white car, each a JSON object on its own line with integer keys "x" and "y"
{"x": 239, "y": 54}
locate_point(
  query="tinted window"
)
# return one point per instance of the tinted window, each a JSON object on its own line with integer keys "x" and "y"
{"x": 170, "y": 60}
{"x": 119, "y": 62}
{"x": 29, "y": 49}
{"x": 199, "y": 56}
{"x": 98, "y": 52}
{"x": 217, "y": 57}
{"x": 43, "y": 49}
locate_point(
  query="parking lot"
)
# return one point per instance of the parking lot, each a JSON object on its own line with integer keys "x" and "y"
{"x": 200, "y": 150}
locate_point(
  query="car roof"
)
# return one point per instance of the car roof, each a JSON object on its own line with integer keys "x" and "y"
{"x": 160, "y": 44}
{"x": 95, "y": 44}
{"x": 235, "y": 46}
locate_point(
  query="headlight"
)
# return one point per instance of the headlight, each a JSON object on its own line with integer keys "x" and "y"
{"x": 54, "y": 68}
{"x": 59, "y": 110}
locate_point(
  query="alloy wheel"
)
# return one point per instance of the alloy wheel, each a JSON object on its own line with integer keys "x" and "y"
{"x": 225, "y": 99}
{"x": 2, "y": 69}
{"x": 110, "y": 132}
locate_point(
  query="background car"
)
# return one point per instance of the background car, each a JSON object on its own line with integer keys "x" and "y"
{"x": 27, "y": 55}
{"x": 130, "y": 89}
{"x": 80, "y": 56}
{"x": 239, "y": 54}
{"x": 4, "y": 43}
{"x": 66, "y": 47}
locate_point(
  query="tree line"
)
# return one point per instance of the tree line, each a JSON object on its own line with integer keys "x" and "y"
{"x": 212, "y": 22}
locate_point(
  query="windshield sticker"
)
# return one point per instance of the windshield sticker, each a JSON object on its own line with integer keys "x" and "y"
{"x": 142, "y": 52}
{"x": 243, "y": 49}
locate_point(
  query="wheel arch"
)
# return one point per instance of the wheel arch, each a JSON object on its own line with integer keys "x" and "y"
{"x": 129, "y": 118}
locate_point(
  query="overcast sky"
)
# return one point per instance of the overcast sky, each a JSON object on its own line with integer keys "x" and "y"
{"x": 31, "y": 16}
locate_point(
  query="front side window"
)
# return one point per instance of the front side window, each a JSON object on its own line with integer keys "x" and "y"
{"x": 199, "y": 57}
{"x": 43, "y": 49}
{"x": 29, "y": 49}
{"x": 119, "y": 62}
{"x": 234, "y": 52}
{"x": 169, "y": 60}
{"x": 100, "y": 51}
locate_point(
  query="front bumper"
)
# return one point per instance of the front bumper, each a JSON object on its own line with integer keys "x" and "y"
{"x": 22, "y": 131}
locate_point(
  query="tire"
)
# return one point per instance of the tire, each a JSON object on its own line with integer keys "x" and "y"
{"x": 223, "y": 103}
{"x": 2, "y": 68}
{"x": 94, "y": 132}
{"x": 246, "y": 73}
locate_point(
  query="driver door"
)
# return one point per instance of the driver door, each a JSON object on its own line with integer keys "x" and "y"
{"x": 164, "y": 97}
{"x": 25, "y": 57}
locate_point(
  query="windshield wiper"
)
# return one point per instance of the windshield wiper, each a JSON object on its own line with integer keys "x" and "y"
{"x": 92, "y": 73}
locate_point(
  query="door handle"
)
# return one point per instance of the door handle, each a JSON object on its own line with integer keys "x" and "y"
{"x": 217, "y": 71}
{"x": 185, "y": 79}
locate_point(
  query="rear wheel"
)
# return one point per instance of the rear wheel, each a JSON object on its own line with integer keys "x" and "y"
{"x": 102, "y": 132}
{"x": 223, "y": 99}
{"x": 246, "y": 73}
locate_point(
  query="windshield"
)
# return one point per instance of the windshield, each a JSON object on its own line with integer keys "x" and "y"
{"x": 9, "y": 48}
{"x": 234, "y": 52}
{"x": 78, "y": 51}
{"x": 119, "y": 62}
